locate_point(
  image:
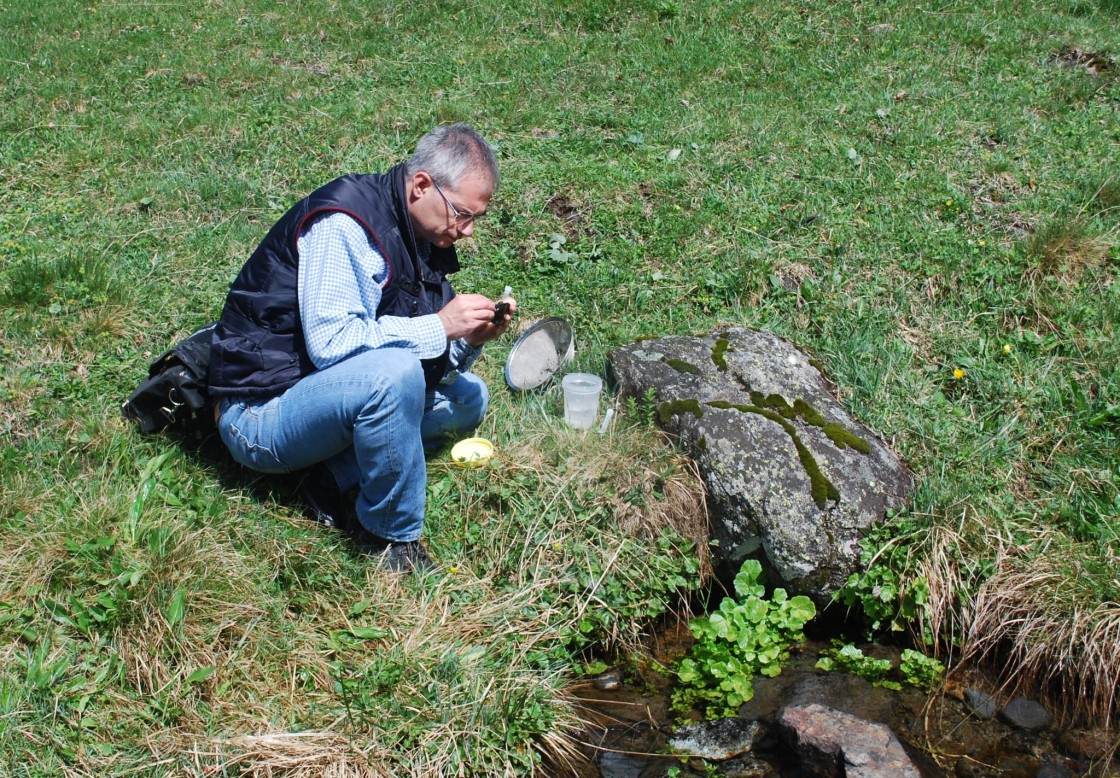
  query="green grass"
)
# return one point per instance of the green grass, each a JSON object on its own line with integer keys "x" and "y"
{"x": 902, "y": 189}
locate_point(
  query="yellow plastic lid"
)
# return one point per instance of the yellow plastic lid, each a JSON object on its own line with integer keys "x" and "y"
{"x": 472, "y": 452}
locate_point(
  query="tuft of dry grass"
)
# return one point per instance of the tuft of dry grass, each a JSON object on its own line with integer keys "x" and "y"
{"x": 632, "y": 473}
{"x": 1105, "y": 197}
{"x": 939, "y": 564}
{"x": 322, "y": 664}
{"x": 298, "y": 755}
{"x": 1053, "y": 634}
{"x": 444, "y": 695}
{"x": 1066, "y": 248}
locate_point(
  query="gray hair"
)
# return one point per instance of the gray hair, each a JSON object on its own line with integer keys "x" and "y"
{"x": 451, "y": 151}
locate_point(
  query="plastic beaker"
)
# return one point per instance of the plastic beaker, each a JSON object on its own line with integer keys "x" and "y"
{"x": 581, "y": 399}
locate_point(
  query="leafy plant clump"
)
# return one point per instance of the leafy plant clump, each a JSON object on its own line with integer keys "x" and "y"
{"x": 748, "y": 634}
{"x": 915, "y": 668}
{"x": 889, "y": 601}
{"x": 849, "y": 659}
{"x": 920, "y": 670}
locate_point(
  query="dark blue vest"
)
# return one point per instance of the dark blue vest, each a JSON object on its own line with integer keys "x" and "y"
{"x": 258, "y": 349}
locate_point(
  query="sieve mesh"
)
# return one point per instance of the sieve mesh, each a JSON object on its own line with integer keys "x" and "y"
{"x": 539, "y": 353}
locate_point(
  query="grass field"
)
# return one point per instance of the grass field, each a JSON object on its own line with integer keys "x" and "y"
{"x": 926, "y": 196}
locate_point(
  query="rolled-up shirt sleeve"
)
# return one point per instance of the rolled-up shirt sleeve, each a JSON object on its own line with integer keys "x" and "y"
{"x": 341, "y": 274}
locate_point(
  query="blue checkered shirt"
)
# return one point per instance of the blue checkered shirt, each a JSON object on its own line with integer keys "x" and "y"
{"x": 340, "y": 278}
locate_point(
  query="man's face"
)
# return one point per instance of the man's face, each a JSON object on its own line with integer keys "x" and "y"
{"x": 444, "y": 214}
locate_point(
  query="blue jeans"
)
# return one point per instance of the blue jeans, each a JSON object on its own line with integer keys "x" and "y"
{"x": 369, "y": 419}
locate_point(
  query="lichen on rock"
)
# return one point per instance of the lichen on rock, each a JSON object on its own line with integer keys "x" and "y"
{"x": 820, "y": 487}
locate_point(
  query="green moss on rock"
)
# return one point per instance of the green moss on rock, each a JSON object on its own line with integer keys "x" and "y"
{"x": 843, "y": 437}
{"x": 681, "y": 366}
{"x": 719, "y": 351}
{"x": 667, "y": 410}
{"x": 820, "y": 488}
{"x": 776, "y": 408}
{"x": 774, "y": 402}
{"x": 837, "y": 433}
{"x": 808, "y": 413}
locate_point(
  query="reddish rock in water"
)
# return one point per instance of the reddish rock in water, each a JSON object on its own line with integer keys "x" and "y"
{"x": 838, "y": 744}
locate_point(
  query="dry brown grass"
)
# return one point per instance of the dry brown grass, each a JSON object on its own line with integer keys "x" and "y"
{"x": 299, "y": 755}
{"x": 476, "y": 658}
{"x": 634, "y": 475}
{"x": 1066, "y": 250}
{"x": 939, "y": 565}
{"x": 511, "y": 580}
{"x": 426, "y": 634}
{"x": 1039, "y": 619}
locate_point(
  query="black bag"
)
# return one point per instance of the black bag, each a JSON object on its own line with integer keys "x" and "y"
{"x": 174, "y": 395}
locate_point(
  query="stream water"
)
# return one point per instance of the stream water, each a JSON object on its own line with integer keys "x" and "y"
{"x": 631, "y": 722}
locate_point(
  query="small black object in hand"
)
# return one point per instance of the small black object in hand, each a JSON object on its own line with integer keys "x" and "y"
{"x": 500, "y": 311}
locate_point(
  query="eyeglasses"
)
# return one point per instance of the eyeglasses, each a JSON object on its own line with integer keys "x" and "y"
{"x": 462, "y": 218}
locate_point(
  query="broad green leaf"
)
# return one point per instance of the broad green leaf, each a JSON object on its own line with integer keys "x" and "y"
{"x": 749, "y": 573}
{"x": 367, "y": 633}
{"x": 201, "y": 674}
{"x": 755, "y": 611}
{"x": 177, "y": 607}
{"x": 803, "y": 609}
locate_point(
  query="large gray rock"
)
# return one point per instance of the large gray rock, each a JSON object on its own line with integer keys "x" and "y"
{"x": 790, "y": 474}
{"x": 838, "y": 745}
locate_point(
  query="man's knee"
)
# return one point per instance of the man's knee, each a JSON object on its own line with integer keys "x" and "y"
{"x": 388, "y": 377}
{"x": 473, "y": 399}
{"x": 397, "y": 368}
{"x": 456, "y": 408}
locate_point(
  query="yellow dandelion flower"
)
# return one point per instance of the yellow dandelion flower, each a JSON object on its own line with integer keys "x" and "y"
{"x": 958, "y": 374}
{"x": 453, "y": 569}
{"x": 1006, "y": 348}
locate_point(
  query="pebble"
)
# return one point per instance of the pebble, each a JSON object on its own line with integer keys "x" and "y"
{"x": 718, "y": 739}
{"x": 608, "y": 681}
{"x": 1026, "y": 714}
{"x": 612, "y": 765}
{"x": 981, "y": 703}
{"x": 747, "y": 767}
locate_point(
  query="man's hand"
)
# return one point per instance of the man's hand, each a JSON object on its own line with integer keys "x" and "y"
{"x": 470, "y": 316}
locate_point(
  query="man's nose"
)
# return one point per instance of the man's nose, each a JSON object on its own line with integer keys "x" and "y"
{"x": 467, "y": 229}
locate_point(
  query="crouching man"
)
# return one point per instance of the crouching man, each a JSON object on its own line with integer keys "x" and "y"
{"x": 342, "y": 349}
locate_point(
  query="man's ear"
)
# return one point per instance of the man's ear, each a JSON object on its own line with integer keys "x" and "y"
{"x": 420, "y": 183}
